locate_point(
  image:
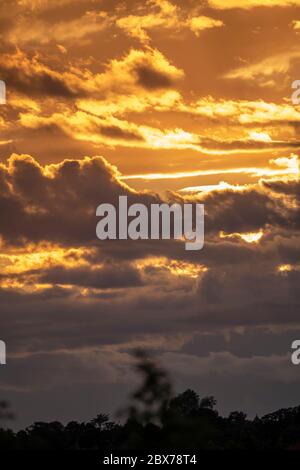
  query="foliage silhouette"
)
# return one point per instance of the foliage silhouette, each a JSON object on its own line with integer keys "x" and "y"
{"x": 158, "y": 420}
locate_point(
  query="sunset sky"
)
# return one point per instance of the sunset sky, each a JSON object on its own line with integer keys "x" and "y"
{"x": 159, "y": 100}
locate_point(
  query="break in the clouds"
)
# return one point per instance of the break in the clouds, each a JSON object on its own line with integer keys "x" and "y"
{"x": 159, "y": 101}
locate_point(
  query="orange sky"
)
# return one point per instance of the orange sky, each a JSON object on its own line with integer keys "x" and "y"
{"x": 119, "y": 80}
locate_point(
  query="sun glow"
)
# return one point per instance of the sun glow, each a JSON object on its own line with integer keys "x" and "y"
{"x": 37, "y": 257}
{"x": 214, "y": 187}
{"x": 175, "y": 267}
{"x": 283, "y": 268}
{"x": 248, "y": 237}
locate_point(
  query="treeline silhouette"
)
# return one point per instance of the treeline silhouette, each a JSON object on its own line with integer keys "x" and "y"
{"x": 157, "y": 420}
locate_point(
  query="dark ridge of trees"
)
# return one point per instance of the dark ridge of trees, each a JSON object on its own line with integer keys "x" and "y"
{"x": 156, "y": 419}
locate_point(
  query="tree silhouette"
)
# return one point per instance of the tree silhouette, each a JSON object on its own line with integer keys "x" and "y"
{"x": 158, "y": 420}
{"x": 149, "y": 402}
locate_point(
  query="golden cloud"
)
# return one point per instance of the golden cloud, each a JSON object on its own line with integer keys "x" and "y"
{"x": 165, "y": 15}
{"x": 248, "y": 4}
{"x": 66, "y": 32}
{"x": 264, "y": 71}
{"x": 200, "y": 23}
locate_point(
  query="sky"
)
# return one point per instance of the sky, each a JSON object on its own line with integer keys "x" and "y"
{"x": 161, "y": 101}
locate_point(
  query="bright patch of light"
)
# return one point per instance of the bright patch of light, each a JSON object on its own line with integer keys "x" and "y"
{"x": 248, "y": 237}
{"x": 260, "y": 136}
{"x": 213, "y": 187}
{"x": 175, "y": 267}
{"x": 284, "y": 268}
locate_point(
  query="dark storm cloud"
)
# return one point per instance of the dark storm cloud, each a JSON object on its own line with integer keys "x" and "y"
{"x": 61, "y": 206}
{"x": 87, "y": 341}
{"x": 226, "y": 296}
{"x": 106, "y": 277}
{"x": 17, "y": 297}
{"x": 118, "y": 133}
{"x": 245, "y": 211}
{"x": 257, "y": 290}
{"x": 32, "y": 80}
{"x": 152, "y": 79}
{"x": 291, "y": 188}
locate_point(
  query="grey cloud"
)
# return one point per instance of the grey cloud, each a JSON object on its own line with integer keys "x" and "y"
{"x": 106, "y": 277}
{"x": 152, "y": 79}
